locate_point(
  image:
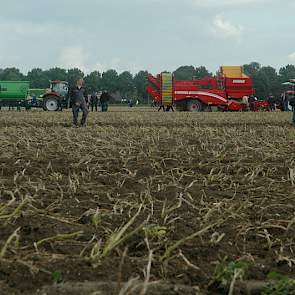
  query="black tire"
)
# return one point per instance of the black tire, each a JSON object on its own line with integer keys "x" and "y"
{"x": 194, "y": 105}
{"x": 51, "y": 103}
{"x": 181, "y": 106}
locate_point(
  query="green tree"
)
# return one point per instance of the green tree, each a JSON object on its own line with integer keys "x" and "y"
{"x": 265, "y": 79}
{"x": 252, "y": 69}
{"x": 109, "y": 81}
{"x": 202, "y": 72}
{"x": 37, "y": 78}
{"x": 56, "y": 74}
{"x": 185, "y": 73}
{"x": 12, "y": 74}
{"x": 267, "y": 82}
{"x": 93, "y": 81}
{"x": 73, "y": 75}
{"x": 126, "y": 84}
{"x": 286, "y": 73}
{"x": 140, "y": 83}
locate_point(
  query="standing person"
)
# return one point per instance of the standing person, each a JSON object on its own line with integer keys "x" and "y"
{"x": 282, "y": 101}
{"x": 170, "y": 107}
{"x": 286, "y": 102}
{"x": 34, "y": 99}
{"x": 252, "y": 103}
{"x": 79, "y": 98}
{"x": 88, "y": 99}
{"x": 272, "y": 102}
{"x": 104, "y": 101}
{"x": 94, "y": 101}
{"x": 162, "y": 107}
{"x": 245, "y": 103}
{"x": 130, "y": 103}
{"x": 291, "y": 98}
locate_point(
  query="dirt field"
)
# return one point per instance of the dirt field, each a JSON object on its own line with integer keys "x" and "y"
{"x": 143, "y": 202}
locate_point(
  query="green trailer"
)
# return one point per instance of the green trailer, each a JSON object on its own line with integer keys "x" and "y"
{"x": 38, "y": 92}
{"x": 19, "y": 94}
{"x": 14, "y": 93}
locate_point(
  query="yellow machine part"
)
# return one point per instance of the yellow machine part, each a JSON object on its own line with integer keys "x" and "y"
{"x": 167, "y": 89}
{"x": 232, "y": 72}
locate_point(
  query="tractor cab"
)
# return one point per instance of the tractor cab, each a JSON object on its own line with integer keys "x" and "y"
{"x": 61, "y": 88}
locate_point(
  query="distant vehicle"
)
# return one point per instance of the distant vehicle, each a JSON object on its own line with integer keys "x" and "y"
{"x": 224, "y": 91}
{"x": 57, "y": 97}
{"x": 19, "y": 94}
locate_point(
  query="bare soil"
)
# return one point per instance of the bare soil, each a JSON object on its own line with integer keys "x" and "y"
{"x": 227, "y": 177}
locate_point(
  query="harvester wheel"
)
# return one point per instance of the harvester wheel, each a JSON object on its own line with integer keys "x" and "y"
{"x": 181, "y": 106}
{"x": 51, "y": 103}
{"x": 194, "y": 106}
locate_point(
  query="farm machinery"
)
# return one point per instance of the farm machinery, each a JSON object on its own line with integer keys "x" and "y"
{"x": 56, "y": 97}
{"x": 18, "y": 94}
{"x": 224, "y": 91}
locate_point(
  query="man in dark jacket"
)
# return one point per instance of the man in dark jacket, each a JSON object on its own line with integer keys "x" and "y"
{"x": 104, "y": 101}
{"x": 272, "y": 102}
{"x": 94, "y": 101}
{"x": 291, "y": 101}
{"x": 252, "y": 103}
{"x": 78, "y": 99}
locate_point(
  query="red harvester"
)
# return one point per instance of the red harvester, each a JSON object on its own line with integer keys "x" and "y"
{"x": 225, "y": 91}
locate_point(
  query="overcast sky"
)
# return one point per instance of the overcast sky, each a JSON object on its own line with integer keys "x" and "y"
{"x": 155, "y": 35}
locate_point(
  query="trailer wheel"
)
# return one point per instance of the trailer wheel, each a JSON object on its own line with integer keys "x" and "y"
{"x": 51, "y": 103}
{"x": 194, "y": 106}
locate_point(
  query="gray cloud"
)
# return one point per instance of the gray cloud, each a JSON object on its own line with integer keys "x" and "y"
{"x": 145, "y": 34}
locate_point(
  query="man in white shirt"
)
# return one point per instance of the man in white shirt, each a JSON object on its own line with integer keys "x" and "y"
{"x": 245, "y": 103}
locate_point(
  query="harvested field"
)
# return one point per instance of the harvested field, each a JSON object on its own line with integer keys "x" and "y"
{"x": 143, "y": 202}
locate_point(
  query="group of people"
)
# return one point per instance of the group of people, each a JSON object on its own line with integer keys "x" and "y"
{"x": 248, "y": 103}
{"x": 80, "y": 101}
{"x": 94, "y": 101}
{"x": 284, "y": 103}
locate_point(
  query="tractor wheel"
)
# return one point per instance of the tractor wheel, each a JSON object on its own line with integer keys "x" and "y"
{"x": 194, "y": 106}
{"x": 51, "y": 103}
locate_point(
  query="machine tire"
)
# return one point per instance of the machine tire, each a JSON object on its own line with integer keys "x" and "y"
{"x": 51, "y": 103}
{"x": 181, "y": 106}
{"x": 194, "y": 105}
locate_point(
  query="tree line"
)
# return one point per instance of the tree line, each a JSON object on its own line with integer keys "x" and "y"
{"x": 267, "y": 80}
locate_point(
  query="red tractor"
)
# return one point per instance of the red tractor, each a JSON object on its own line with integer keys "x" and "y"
{"x": 224, "y": 91}
{"x": 57, "y": 96}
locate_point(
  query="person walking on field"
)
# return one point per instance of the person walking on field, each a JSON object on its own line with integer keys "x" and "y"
{"x": 245, "y": 103}
{"x": 161, "y": 107}
{"x": 292, "y": 104}
{"x": 94, "y": 101}
{"x": 170, "y": 107}
{"x": 104, "y": 101}
{"x": 78, "y": 98}
{"x": 252, "y": 103}
{"x": 272, "y": 102}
